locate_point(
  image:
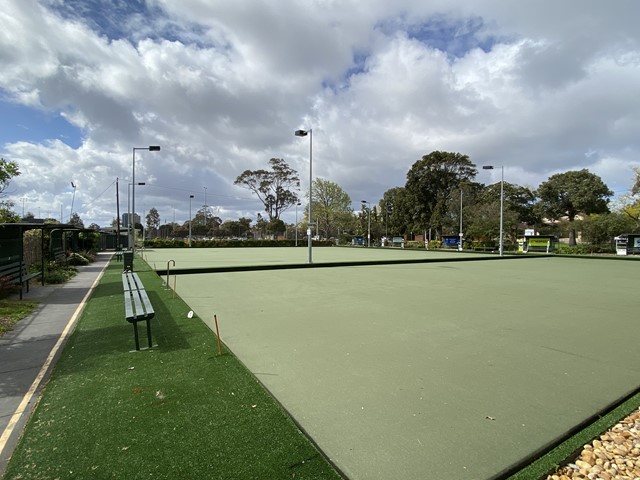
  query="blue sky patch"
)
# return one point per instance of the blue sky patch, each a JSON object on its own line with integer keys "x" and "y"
{"x": 20, "y": 123}
{"x": 129, "y": 19}
{"x": 454, "y": 36}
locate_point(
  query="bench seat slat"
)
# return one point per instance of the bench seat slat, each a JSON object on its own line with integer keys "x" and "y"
{"x": 18, "y": 274}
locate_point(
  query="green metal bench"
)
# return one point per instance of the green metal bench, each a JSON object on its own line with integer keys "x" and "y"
{"x": 17, "y": 273}
{"x": 60, "y": 257}
{"x": 137, "y": 305}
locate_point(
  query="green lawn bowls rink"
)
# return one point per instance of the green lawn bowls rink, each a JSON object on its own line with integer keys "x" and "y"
{"x": 455, "y": 370}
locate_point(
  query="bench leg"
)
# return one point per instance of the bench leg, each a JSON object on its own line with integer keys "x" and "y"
{"x": 149, "y": 333}
{"x": 135, "y": 334}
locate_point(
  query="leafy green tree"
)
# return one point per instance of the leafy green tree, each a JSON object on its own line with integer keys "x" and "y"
{"x": 272, "y": 187}
{"x": 519, "y": 211}
{"x": 601, "y": 229}
{"x": 76, "y": 221}
{"x": 153, "y": 219}
{"x": 204, "y": 218}
{"x": 8, "y": 170}
{"x": 631, "y": 201}
{"x": 431, "y": 181}
{"x": 331, "y": 207}
{"x": 235, "y": 228}
{"x": 261, "y": 225}
{"x": 275, "y": 226}
{"x": 400, "y": 211}
{"x": 7, "y": 215}
{"x": 572, "y": 193}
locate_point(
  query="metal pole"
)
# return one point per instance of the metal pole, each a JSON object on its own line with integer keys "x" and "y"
{"x": 133, "y": 202}
{"x": 190, "y": 197}
{"x": 501, "y": 207}
{"x": 369, "y": 228}
{"x": 310, "y": 240}
{"x": 460, "y": 236}
{"x": 297, "y": 223}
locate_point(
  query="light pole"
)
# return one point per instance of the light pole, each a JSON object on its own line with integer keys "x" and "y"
{"x": 73, "y": 199}
{"x": 460, "y": 234}
{"x": 151, "y": 148}
{"x": 297, "y": 205}
{"x": 491, "y": 167}
{"x": 190, "y": 198}
{"x": 129, "y": 185}
{"x": 206, "y": 210}
{"x": 304, "y": 133}
{"x": 369, "y": 226}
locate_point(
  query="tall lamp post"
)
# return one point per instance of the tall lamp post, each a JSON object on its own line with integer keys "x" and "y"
{"x": 190, "y": 198}
{"x": 369, "y": 223}
{"x": 73, "y": 185}
{"x": 304, "y": 133}
{"x": 491, "y": 167}
{"x": 151, "y": 148}
{"x": 460, "y": 231}
{"x": 131, "y": 219}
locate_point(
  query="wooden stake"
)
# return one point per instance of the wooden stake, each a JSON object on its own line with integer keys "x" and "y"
{"x": 218, "y": 335}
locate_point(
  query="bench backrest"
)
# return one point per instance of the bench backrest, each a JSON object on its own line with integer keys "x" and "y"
{"x": 13, "y": 270}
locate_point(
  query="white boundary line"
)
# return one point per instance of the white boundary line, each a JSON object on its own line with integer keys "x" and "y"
{"x": 17, "y": 415}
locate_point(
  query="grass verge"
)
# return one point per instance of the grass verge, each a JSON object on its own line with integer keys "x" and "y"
{"x": 176, "y": 411}
{"x": 12, "y": 311}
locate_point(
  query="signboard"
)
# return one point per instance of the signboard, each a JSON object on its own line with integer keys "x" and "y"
{"x": 538, "y": 242}
{"x": 450, "y": 241}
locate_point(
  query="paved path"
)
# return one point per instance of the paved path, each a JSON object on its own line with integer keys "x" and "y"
{"x": 28, "y": 352}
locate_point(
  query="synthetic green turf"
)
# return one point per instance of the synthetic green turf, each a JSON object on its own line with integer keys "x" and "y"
{"x": 454, "y": 370}
{"x": 176, "y": 411}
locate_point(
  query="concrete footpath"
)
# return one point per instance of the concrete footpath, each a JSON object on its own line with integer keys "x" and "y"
{"x": 28, "y": 353}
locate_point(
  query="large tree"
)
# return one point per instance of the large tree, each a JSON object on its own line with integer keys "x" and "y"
{"x": 8, "y": 170}
{"x": 76, "y": 221}
{"x": 572, "y": 193}
{"x": 272, "y": 187}
{"x": 399, "y": 211}
{"x": 331, "y": 207}
{"x": 153, "y": 219}
{"x": 431, "y": 181}
{"x": 519, "y": 211}
{"x": 631, "y": 201}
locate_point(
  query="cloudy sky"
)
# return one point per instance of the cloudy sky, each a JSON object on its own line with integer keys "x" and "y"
{"x": 538, "y": 87}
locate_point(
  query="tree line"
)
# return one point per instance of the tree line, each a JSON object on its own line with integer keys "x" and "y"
{"x": 441, "y": 194}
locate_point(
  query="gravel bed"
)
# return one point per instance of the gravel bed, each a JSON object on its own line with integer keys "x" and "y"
{"x": 614, "y": 455}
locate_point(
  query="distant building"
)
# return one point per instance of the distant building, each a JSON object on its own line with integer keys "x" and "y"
{"x": 125, "y": 219}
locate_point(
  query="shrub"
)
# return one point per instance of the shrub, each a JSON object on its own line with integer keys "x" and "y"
{"x": 55, "y": 273}
{"x": 584, "y": 249}
{"x": 77, "y": 259}
{"x": 227, "y": 243}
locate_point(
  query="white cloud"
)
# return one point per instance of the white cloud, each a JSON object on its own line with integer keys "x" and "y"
{"x": 539, "y": 87}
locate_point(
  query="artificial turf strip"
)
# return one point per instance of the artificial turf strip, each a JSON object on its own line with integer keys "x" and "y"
{"x": 568, "y": 449}
{"x": 176, "y": 411}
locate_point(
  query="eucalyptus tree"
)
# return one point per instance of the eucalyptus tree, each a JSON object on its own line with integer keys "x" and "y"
{"x": 431, "y": 182}
{"x": 275, "y": 188}
{"x": 571, "y": 193}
